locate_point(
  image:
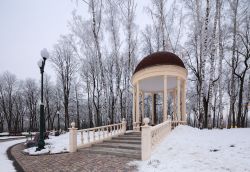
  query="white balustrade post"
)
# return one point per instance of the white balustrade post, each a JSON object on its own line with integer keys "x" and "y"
{"x": 72, "y": 138}
{"x": 124, "y": 123}
{"x": 146, "y": 140}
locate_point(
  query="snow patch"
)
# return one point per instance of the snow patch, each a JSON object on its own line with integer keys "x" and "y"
{"x": 5, "y": 163}
{"x": 190, "y": 149}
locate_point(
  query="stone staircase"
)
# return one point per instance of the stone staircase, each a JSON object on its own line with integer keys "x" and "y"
{"x": 127, "y": 145}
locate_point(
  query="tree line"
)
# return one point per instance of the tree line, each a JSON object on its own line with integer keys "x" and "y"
{"x": 94, "y": 63}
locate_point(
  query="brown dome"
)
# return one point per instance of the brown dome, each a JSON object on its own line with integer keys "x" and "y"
{"x": 159, "y": 58}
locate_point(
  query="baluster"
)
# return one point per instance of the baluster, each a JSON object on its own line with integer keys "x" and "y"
{"x": 110, "y": 130}
{"x": 82, "y": 137}
{"x": 99, "y": 133}
{"x": 103, "y": 133}
{"x": 88, "y": 137}
{"x": 93, "y": 134}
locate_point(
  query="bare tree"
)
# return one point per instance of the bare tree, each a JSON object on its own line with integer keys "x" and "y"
{"x": 31, "y": 98}
{"x": 8, "y": 85}
{"x": 64, "y": 60}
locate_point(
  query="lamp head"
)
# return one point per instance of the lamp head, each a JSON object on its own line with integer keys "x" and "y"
{"x": 40, "y": 63}
{"x": 44, "y": 53}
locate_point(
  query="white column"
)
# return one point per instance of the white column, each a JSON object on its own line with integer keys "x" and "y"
{"x": 183, "y": 108}
{"x": 124, "y": 125}
{"x": 165, "y": 98}
{"x": 178, "y": 98}
{"x": 134, "y": 105}
{"x": 137, "y": 113}
{"x": 142, "y": 106}
{"x": 174, "y": 99}
{"x": 146, "y": 144}
{"x": 153, "y": 115}
{"x": 72, "y": 138}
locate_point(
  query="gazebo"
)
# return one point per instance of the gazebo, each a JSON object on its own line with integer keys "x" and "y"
{"x": 160, "y": 73}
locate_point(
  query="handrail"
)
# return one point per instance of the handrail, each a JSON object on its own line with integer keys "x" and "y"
{"x": 136, "y": 126}
{"x": 93, "y": 135}
{"x": 158, "y": 133}
{"x": 151, "y": 136}
{"x": 176, "y": 123}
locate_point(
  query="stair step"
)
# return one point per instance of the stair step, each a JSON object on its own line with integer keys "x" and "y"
{"x": 123, "y": 141}
{"x": 119, "y": 145}
{"x": 136, "y": 154}
{"x": 126, "y": 138}
{"x": 133, "y": 133}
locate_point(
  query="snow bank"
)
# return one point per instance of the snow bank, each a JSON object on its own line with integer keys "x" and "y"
{"x": 55, "y": 144}
{"x": 190, "y": 149}
{"x": 5, "y": 163}
{"x": 11, "y": 137}
{"x": 59, "y": 144}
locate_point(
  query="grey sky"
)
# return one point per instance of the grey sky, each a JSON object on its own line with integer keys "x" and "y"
{"x": 27, "y": 26}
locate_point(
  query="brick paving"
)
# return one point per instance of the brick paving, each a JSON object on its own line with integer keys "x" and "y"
{"x": 73, "y": 162}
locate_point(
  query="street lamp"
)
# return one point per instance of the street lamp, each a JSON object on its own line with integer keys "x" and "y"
{"x": 41, "y": 64}
{"x": 58, "y": 120}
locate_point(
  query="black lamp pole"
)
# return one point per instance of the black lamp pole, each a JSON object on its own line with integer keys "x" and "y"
{"x": 41, "y": 142}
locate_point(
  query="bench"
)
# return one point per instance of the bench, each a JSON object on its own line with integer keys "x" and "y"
{"x": 34, "y": 142}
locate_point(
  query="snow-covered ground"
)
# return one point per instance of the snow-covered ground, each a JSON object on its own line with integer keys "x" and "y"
{"x": 186, "y": 149}
{"x": 189, "y": 149}
{"x": 59, "y": 144}
{"x": 55, "y": 144}
{"x": 11, "y": 137}
{"x": 5, "y": 163}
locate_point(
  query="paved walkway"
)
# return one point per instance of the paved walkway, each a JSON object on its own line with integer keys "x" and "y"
{"x": 79, "y": 161}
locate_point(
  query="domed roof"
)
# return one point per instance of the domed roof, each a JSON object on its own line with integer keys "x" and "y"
{"x": 159, "y": 58}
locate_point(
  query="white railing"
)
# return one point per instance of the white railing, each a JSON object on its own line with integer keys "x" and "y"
{"x": 136, "y": 126}
{"x": 89, "y": 136}
{"x": 176, "y": 123}
{"x": 151, "y": 136}
{"x": 158, "y": 133}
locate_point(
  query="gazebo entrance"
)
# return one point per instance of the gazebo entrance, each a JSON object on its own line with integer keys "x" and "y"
{"x": 159, "y": 74}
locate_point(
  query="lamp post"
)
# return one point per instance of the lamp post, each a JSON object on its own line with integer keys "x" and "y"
{"x": 41, "y": 64}
{"x": 58, "y": 120}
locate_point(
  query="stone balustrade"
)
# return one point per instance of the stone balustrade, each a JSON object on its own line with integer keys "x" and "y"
{"x": 151, "y": 136}
{"x": 176, "y": 123}
{"x": 94, "y": 135}
{"x": 136, "y": 126}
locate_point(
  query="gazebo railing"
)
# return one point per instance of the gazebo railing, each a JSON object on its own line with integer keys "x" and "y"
{"x": 151, "y": 136}
{"x": 136, "y": 126}
{"x": 87, "y": 137}
{"x": 159, "y": 132}
{"x": 176, "y": 123}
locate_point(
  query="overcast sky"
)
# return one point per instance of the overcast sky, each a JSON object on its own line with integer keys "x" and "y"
{"x": 27, "y": 26}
